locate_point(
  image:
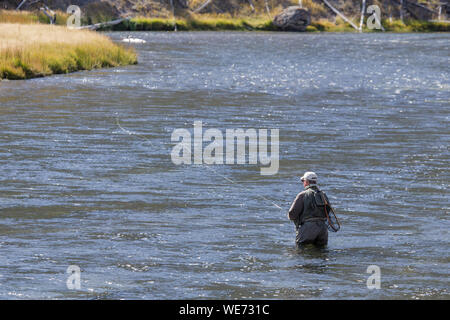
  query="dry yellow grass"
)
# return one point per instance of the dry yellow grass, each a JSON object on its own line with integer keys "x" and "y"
{"x": 28, "y": 17}
{"x": 33, "y": 50}
{"x": 9, "y": 16}
{"x": 24, "y": 35}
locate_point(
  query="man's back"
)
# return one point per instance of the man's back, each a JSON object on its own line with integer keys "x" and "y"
{"x": 308, "y": 214}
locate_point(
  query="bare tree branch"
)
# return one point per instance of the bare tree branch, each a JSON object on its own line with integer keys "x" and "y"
{"x": 340, "y": 14}
{"x": 202, "y": 6}
{"x": 251, "y": 5}
{"x": 363, "y": 10}
{"x": 267, "y": 9}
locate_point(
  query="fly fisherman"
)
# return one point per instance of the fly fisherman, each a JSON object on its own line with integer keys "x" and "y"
{"x": 308, "y": 213}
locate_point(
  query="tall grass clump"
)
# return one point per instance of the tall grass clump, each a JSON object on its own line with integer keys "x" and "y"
{"x": 36, "y": 50}
{"x": 428, "y": 26}
{"x": 415, "y": 26}
{"x": 23, "y": 17}
{"x": 29, "y": 17}
{"x": 324, "y": 25}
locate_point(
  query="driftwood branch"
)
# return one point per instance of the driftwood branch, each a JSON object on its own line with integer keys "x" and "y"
{"x": 363, "y": 10}
{"x": 251, "y": 5}
{"x": 173, "y": 14}
{"x": 267, "y": 9}
{"x": 250, "y": 2}
{"x": 340, "y": 14}
{"x": 401, "y": 10}
{"x": 103, "y": 24}
{"x": 207, "y": 2}
{"x": 21, "y": 4}
{"x": 50, "y": 14}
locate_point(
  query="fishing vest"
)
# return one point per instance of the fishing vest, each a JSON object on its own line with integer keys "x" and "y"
{"x": 313, "y": 205}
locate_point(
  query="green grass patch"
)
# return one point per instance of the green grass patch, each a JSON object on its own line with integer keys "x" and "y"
{"x": 44, "y": 60}
{"x": 328, "y": 26}
{"x": 195, "y": 24}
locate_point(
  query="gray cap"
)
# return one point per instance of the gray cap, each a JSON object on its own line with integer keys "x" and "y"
{"x": 310, "y": 176}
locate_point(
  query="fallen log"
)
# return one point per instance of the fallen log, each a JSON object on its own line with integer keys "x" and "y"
{"x": 103, "y": 24}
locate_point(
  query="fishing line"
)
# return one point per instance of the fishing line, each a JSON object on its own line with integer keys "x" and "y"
{"x": 205, "y": 166}
{"x": 131, "y": 132}
{"x": 233, "y": 182}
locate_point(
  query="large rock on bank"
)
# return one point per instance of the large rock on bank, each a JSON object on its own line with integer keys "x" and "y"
{"x": 292, "y": 19}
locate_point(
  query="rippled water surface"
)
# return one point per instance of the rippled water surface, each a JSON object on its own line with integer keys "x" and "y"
{"x": 86, "y": 176}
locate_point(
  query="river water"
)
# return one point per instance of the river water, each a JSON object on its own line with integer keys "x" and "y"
{"x": 86, "y": 176}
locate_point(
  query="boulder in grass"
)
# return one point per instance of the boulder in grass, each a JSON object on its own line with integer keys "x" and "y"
{"x": 292, "y": 18}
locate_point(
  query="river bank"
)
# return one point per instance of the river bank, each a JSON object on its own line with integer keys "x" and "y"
{"x": 37, "y": 50}
{"x": 225, "y": 22}
{"x": 258, "y": 23}
{"x": 47, "y": 49}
